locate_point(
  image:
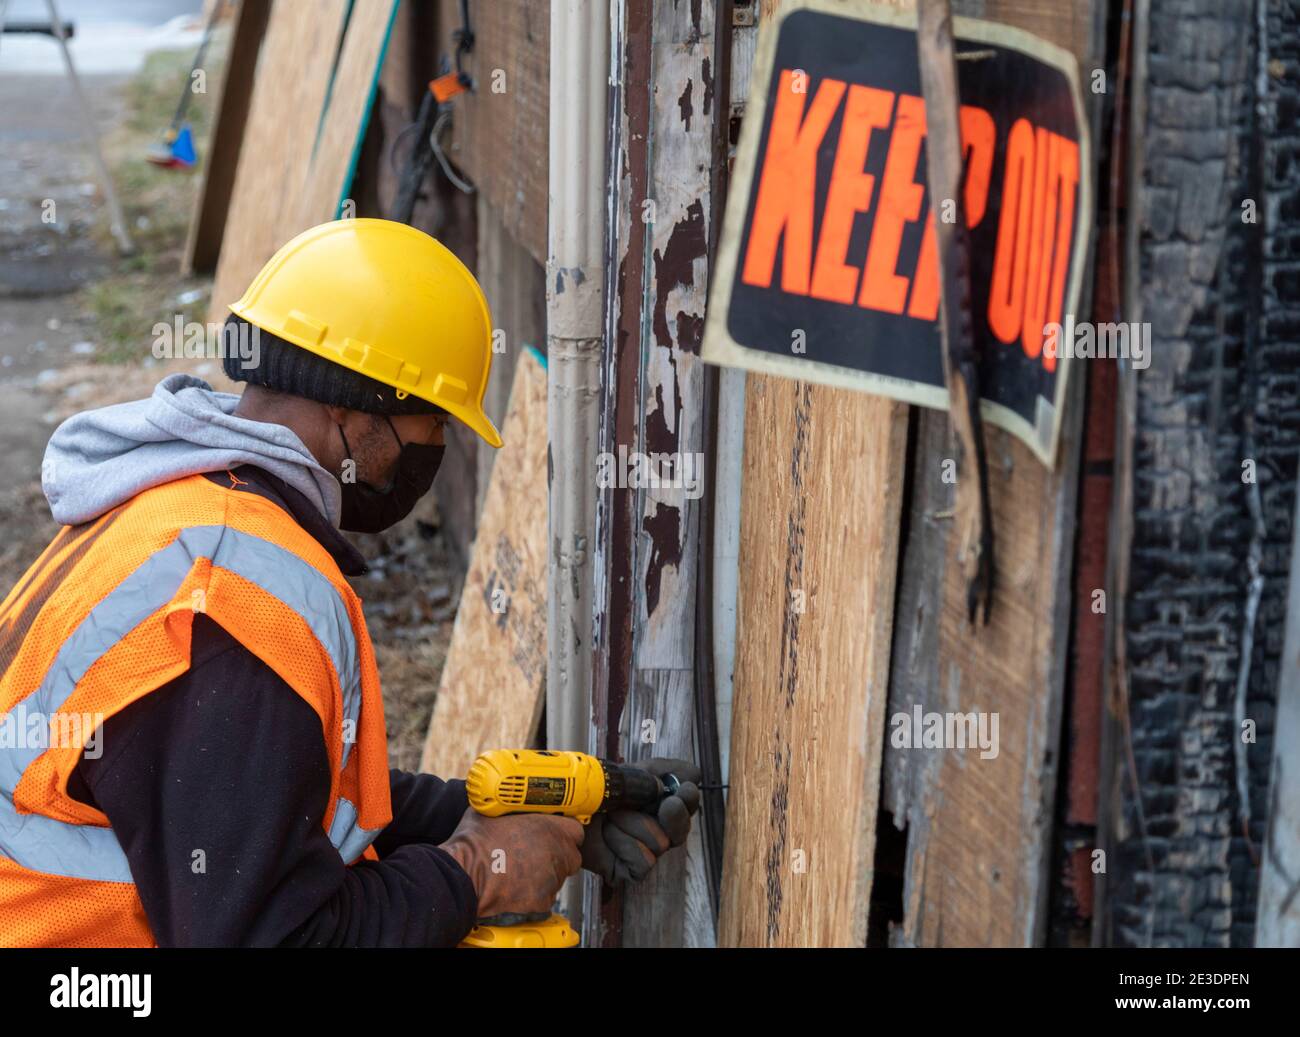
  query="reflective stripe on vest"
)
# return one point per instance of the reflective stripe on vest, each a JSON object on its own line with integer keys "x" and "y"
{"x": 91, "y": 852}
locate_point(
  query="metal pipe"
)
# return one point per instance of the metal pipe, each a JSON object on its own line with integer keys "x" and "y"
{"x": 575, "y": 306}
{"x": 726, "y": 547}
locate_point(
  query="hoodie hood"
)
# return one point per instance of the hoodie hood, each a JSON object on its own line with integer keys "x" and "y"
{"x": 100, "y": 458}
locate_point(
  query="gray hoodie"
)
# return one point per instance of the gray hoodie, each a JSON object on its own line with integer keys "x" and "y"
{"x": 100, "y": 458}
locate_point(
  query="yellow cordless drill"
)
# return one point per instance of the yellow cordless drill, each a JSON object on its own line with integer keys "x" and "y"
{"x": 571, "y": 784}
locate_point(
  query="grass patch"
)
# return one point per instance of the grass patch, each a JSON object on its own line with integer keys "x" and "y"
{"x": 142, "y": 289}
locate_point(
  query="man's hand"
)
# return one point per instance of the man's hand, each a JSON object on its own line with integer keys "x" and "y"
{"x": 539, "y": 853}
{"x": 624, "y": 845}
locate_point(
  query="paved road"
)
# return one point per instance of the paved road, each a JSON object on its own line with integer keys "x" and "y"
{"x": 110, "y": 35}
{"x": 44, "y": 160}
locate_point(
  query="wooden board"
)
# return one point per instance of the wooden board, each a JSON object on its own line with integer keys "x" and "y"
{"x": 671, "y": 907}
{"x": 823, "y": 486}
{"x": 500, "y": 131}
{"x": 351, "y": 97}
{"x": 208, "y": 225}
{"x": 979, "y": 830}
{"x": 492, "y": 687}
{"x": 820, "y": 510}
{"x": 645, "y": 565}
{"x": 293, "y": 77}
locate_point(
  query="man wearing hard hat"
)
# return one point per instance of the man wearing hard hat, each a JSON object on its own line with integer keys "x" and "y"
{"x": 234, "y": 788}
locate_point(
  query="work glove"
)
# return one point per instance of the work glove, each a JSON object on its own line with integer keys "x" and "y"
{"x": 624, "y": 845}
{"x": 538, "y": 853}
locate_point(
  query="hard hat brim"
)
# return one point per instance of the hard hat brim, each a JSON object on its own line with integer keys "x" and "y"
{"x": 479, "y": 422}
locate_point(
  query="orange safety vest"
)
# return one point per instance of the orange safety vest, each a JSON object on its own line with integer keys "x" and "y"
{"x": 103, "y": 618}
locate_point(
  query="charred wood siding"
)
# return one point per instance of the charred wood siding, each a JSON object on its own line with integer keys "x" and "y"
{"x": 1219, "y": 396}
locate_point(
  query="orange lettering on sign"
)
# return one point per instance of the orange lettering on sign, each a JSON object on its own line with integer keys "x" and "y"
{"x": 787, "y": 188}
{"x": 1006, "y": 306}
{"x": 1032, "y": 255}
{"x": 977, "y": 136}
{"x": 867, "y": 109}
{"x": 1042, "y": 225}
{"x": 900, "y": 204}
{"x": 1067, "y": 179}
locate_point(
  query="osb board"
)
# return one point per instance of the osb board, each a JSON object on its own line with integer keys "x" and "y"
{"x": 293, "y": 78}
{"x": 820, "y": 508}
{"x": 493, "y": 683}
{"x": 500, "y": 130}
{"x": 979, "y": 830}
{"x": 344, "y": 123}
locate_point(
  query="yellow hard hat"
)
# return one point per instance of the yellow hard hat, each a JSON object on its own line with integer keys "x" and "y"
{"x": 387, "y": 301}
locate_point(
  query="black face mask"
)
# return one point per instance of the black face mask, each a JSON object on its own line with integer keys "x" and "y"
{"x": 368, "y": 510}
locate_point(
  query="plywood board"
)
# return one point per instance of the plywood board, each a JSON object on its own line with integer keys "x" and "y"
{"x": 293, "y": 78}
{"x": 500, "y": 130}
{"x": 492, "y": 687}
{"x": 351, "y": 97}
{"x": 820, "y": 511}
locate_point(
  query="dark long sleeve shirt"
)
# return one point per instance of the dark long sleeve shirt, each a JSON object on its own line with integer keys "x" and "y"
{"x": 216, "y": 786}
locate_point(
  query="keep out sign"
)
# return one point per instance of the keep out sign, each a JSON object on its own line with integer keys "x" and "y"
{"x": 828, "y": 270}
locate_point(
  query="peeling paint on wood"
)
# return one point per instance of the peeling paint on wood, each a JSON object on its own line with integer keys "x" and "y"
{"x": 652, "y": 388}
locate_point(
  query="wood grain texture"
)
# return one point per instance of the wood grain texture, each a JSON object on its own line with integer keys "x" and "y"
{"x": 820, "y": 513}
{"x": 500, "y": 130}
{"x": 819, "y": 541}
{"x": 491, "y": 692}
{"x": 344, "y": 121}
{"x": 914, "y": 661}
{"x": 653, "y": 383}
{"x": 670, "y": 907}
{"x": 305, "y": 124}
{"x": 979, "y": 830}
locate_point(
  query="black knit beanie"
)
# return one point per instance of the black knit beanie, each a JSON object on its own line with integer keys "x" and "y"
{"x": 288, "y": 368}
